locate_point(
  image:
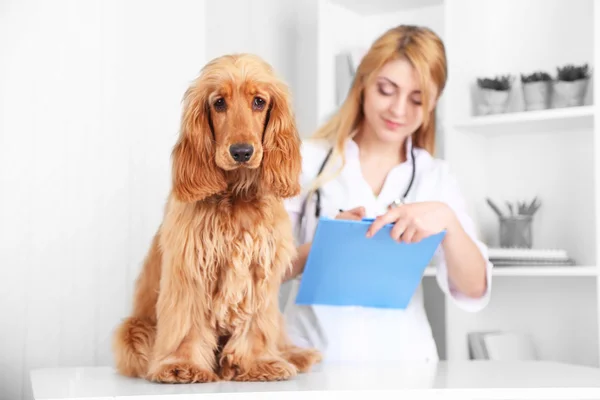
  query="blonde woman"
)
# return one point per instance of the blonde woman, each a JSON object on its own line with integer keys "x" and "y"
{"x": 374, "y": 158}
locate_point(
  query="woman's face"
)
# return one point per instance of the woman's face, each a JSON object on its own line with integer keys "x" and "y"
{"x": 392, "y": 103}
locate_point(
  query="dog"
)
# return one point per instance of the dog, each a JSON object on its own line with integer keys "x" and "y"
{"x": 206, "y": 301}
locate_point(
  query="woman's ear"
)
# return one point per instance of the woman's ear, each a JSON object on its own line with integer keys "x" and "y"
{"x": 195, "y": 174}
{"x": 282, "y": 162}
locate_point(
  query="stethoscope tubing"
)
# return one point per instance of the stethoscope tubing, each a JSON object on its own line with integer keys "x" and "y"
{"x": 395, "y": 204}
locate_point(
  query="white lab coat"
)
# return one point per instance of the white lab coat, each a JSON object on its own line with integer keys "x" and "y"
{"x": 357, "y": 334}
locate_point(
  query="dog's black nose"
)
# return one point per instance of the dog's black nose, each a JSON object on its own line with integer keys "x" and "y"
{"x": 241, "y": 152}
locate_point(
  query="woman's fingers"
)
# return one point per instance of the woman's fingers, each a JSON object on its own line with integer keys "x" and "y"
{"x": 398, "y": 229}
{"x": 355, "y": 214}
{"x": 409, "y": 226}
{"x": 387, "y": 218}
{"x": 422, "y": 234}
{"x": 347, "y": 216}
{"x": 358, "y": 211}
{"x": 409, "y": 234}
{"x": 352, "y": 217}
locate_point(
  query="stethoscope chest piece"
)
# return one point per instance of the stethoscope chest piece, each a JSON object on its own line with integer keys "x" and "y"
{"x": 396, "y": 203}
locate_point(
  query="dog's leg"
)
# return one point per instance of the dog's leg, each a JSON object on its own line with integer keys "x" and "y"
{"x": 183, "y": 351}
{"x": 302, "y": 358}
{"x": 259, "y": 349}
{"x": 134, "y": 337}
{"x": 132, "y": 346}
{"x": 193, "y": 361}
{"x": 251, "y": 353}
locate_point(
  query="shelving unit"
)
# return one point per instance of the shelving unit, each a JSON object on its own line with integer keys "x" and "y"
{"x": 553, "y": 154}
{"x": 547, "y": 121}
{"x": 575, "y": 271}
{"x": 521, "y": 154}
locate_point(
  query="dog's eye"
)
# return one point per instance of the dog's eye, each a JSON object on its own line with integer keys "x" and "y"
{"x": 220, "y": 104}
{"x": 258, "y": 103}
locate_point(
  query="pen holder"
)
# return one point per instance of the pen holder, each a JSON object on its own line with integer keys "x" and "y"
{"x": 515, "y": 231}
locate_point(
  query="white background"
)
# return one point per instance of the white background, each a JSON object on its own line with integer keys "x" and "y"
{"x": 90, "y": 100}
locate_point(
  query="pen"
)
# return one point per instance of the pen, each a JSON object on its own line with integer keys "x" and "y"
{"x": 494, "y": 207}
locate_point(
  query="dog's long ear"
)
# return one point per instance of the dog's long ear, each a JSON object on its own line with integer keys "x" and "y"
{"x": 282, "y": 163}
{"x": 195, "y": 174}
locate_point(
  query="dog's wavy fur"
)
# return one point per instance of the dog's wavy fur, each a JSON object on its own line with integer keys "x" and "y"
{"x": 206, "y": 301}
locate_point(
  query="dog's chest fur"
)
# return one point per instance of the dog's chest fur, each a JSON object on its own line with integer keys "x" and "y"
{"x": 237, "y": 249}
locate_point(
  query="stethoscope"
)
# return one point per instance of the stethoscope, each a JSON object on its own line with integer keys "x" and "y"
{"x": 395, "y": 203}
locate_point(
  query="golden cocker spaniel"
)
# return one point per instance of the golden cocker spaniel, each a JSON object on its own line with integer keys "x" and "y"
{"x": 206, "y": 301}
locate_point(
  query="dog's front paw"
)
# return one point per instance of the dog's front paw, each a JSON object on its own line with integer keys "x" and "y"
{"x": 182, "y": 373}
{"x": 229, "y": 367}
{"x": 267, "y": 370}
{"x": 303, "y": 359}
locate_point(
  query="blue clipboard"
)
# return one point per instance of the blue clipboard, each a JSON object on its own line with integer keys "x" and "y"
{"x": 345, "y": 268}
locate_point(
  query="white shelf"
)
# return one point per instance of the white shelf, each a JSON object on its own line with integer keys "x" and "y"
{"x": 535, "y": 271}
{"x": 546, "y": 271}
{"x": 559, "y": 119}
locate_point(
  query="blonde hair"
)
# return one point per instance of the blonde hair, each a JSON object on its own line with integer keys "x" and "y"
{"x": 425, "y": 51}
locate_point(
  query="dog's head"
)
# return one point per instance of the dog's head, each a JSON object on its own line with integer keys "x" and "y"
{"x": 236, "y": 115}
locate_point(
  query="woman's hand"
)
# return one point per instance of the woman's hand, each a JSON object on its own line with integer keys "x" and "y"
{"x": 355, "y": 214}
{"x": 413, "y": 222}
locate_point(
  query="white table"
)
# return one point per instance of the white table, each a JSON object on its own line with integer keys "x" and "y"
{"x": 464, "y": 380}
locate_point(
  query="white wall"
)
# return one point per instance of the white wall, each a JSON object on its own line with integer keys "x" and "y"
{"x": 340, "y": 29}
{"x": 283, "y": 32}
{"x": 263, "y": 27}
{"x": 89, "y": 109}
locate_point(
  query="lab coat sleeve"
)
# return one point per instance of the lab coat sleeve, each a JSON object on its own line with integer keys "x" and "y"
{"x": 293, "y": 207}
{"x": 313, "y": 155}
{"x": 287, "y": 291}
{"x": 452, "y": 196}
